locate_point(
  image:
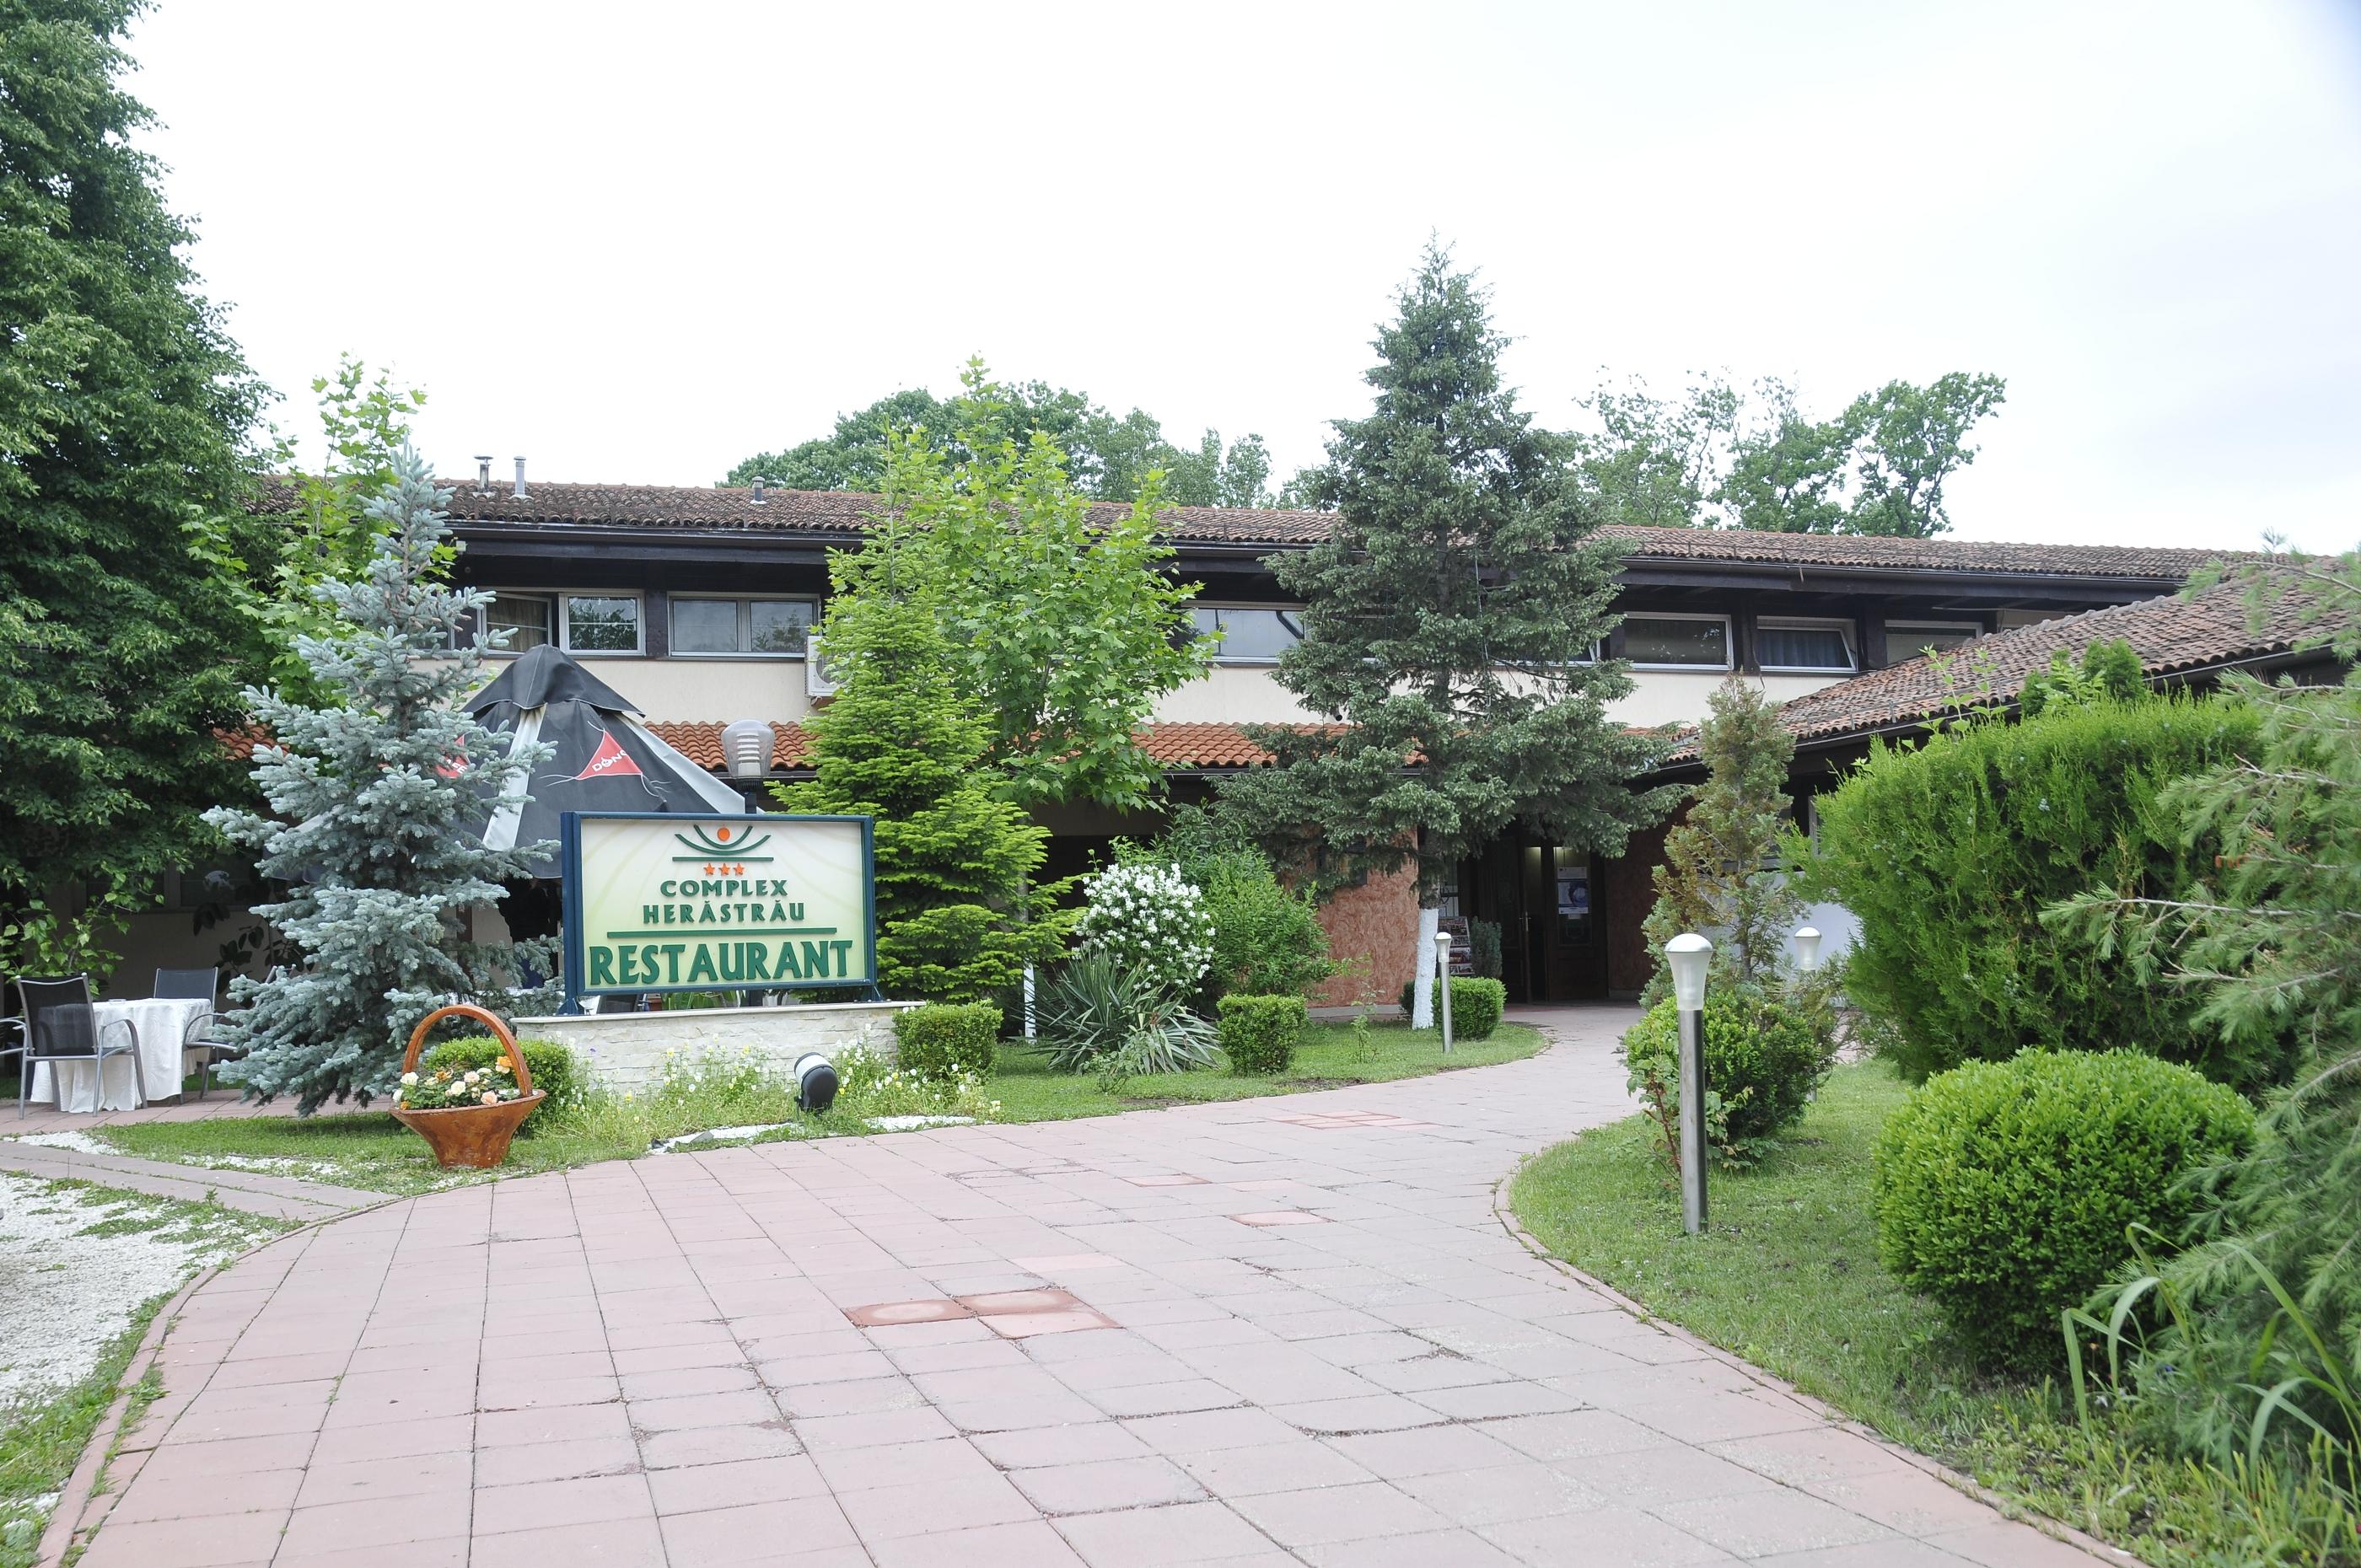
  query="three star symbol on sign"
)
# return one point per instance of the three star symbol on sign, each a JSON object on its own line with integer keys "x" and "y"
{"x": 724, "y": 869}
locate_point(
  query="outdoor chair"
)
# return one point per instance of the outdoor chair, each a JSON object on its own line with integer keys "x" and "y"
{"x": 60, "y": 1025}
{"x": 199, "y": 1050}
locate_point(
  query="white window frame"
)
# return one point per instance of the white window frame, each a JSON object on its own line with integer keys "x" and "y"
{"x": 483, "y": 628}
{"x": 563, "y": 629}
{"x": 1845, "y": 632}
{"x": 1905, "y": 627}
{"x": 1250, "y": 661}
{"x": 1729, "y": 640}
{"x": 672, "y": 599}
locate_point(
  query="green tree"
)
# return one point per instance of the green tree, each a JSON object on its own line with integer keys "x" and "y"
{"x": 1723, "y": 871}
{"x": 1061, "y": 629}
{"x": 1108, "y": 457}
{"x": 957, "y": 920}
{"x": 375, "y": 804}
{"x": 1451, "y": 620}
{"x": 2267, "y": 940}
{"x": 327, "y": 535}
{"x": 2109, "y": 672}
{"x": 123, "y": 535}
{"x": 1714, "y": 457}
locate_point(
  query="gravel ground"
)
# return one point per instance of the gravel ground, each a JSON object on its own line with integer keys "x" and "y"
{"x": 76, "y": 1261}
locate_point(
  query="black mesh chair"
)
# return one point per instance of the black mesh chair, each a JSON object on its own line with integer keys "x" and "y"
{"x": 199, "y": 1052}
{"x": 60, "y": 1025}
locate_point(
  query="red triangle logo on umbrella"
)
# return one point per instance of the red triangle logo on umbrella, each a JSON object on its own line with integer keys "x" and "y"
{"x": 609, "y": 761}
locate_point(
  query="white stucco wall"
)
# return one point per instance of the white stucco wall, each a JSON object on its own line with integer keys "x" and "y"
{"x": 714, "y": 689}
{"x": 629, "y": 1050}
{"x": 1680, "y": 697}
{"x": 1232, "y": 694}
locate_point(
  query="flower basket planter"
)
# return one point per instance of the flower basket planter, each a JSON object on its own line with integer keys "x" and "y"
{"x": 471, "y": 1135}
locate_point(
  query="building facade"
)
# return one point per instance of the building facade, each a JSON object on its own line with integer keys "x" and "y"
{"x": 696, "y": 604}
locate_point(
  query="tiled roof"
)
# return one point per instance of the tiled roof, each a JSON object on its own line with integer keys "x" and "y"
{"x": 1179, "y": 746}
{"x": 1845, "y": 551}
{"x": 839, "y": 514}
{"x": 2171, "y": 635}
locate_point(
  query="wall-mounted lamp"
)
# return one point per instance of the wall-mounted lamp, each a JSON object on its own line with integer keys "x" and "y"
{"x": 747, "y": 745}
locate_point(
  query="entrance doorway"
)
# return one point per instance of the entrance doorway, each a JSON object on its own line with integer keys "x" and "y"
{"x": 1549, "y": 902}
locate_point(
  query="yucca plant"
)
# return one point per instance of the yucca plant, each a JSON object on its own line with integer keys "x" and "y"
{"x": 1100, "y": 1017}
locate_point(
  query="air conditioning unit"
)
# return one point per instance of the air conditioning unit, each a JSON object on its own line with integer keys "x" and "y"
{"x": 819, "y": 679}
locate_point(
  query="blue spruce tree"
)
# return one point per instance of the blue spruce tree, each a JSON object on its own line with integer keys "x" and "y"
{"x": 374, "y": 827}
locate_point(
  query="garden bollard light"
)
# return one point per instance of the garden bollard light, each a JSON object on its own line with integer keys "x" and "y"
{"x": 1807, "y": 949}
{"x": 816, "y": 1082}
{"x": 1688, "y": 955}
{"x": 1443, "y": 984}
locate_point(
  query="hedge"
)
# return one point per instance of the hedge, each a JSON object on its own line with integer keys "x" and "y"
{"x": 1763, "y": 1058}
{"x": 942, "y": 1039}
{"x": 1475, "y": 1005}
{"x": 2005, "y": 1191}
{"x": 1947, "y": 851}
{"x": 1259, "y": 1033}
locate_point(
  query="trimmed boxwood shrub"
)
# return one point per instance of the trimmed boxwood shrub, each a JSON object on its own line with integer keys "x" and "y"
{"x": 941, "y": 1038}
{"x": 1259, "y": 1033}
{"x": 1948, "y": 851}
{"x": 555, "y": 1071}
{"x": 1475, "y": 1005}
{"x": 2004, "y": 1190}
{"x": 1763, "y": 1058}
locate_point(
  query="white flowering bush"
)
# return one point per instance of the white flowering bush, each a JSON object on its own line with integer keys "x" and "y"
{"x": 868, "y": 1085}
{"x": 1148, "y": 921}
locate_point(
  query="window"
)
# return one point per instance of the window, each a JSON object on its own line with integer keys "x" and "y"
{"x": 579, "y": 623}
{"x": 1250, "y": 636}
{"x": 741, "y": 626}
{"x": 530, "y": 621}
{"x": 1815, "y": 646}
{"x": 601, "y": 623}
{"x": 1908, "y": 639}
{"x": 1677, "y": 641}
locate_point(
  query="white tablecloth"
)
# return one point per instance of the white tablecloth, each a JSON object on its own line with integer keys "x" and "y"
{"x": 160, "y": 1022}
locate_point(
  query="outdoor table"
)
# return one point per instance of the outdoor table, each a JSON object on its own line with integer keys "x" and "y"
{"x": 161, "y": 1021}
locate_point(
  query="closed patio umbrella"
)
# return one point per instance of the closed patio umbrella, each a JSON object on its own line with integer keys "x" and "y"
{"x": 605, "y": 759}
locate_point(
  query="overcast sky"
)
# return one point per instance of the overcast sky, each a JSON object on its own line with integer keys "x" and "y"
{"x": 638, "y": 243}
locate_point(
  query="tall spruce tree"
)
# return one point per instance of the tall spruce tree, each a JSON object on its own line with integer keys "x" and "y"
{"x": 1721, "y": 871}
{"x": 957, "y": 918}
{"x": 123, "y": 407}
{"x": 376, "y": 805}
{"x": 1453, "y": 620}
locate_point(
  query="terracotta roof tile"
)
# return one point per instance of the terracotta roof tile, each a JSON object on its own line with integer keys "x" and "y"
{"x": 2171, "y": 635}
{"x": 834, "y": 514}
{"x": 1173, "y": 745}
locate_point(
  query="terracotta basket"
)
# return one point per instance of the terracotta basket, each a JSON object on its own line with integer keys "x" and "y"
{"x": 475, "y": 1135}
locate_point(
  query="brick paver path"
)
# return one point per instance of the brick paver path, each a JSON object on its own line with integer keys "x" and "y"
{"x": 1279, "y": 1331}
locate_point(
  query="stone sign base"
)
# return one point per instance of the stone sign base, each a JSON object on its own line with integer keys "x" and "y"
{"x": 629, "y": 1050}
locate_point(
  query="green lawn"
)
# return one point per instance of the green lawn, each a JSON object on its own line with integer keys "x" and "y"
{"x": 1788, "y": 1276}
{"x": 371, "y": 1150}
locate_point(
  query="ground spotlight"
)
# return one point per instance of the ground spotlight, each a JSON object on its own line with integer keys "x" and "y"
{"x": 816, "y": 1082}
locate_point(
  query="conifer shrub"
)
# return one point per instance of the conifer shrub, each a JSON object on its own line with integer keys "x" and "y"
{"x": 1259, "y": 1033}
{"x": 1947, "y": 850}
{"x": 557, "y": 1072}
{"x": 1476, "y": 1006}
{"x": 2007, "y": 1190}
{"x": 942, "y": 1038}
{"x": 1763, "y": 1061}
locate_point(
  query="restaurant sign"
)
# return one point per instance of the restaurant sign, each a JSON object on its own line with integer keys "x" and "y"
{"x": 660, "y": 902}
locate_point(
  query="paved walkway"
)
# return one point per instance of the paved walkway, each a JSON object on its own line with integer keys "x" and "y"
{"x": 257, "y": 1192}
{"x": 1268, "y": 1331}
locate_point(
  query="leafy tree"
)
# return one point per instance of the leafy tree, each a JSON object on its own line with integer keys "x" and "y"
{"x": 123, "y": 407}
{"x": 1723, "y": 871}
{"x": 1452, "y": 617}
{"x": 1906, "y": 441}
{"x": 364, "y": 426}
{"x": 2266, "y": 1319}
{"x": 374, "y": 804}
{"x": 1716, "y": 456}
{"x": 956, "y": 919}
{"x": 1060, "y": 628}
{"x": 1107, "y": 458}
{"x": 2110, "y": 671}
